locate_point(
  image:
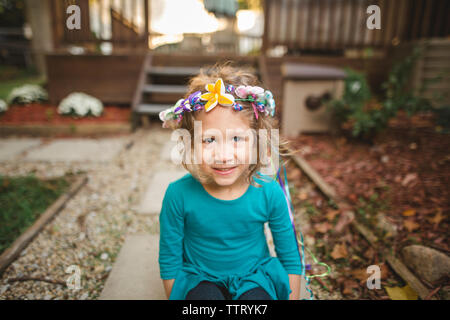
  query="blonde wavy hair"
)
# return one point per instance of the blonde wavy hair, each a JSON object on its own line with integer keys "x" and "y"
{"x": 235, "y": 76}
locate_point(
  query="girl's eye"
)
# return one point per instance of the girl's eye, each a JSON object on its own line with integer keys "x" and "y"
{"x": 208, "y": 140}
{"x": 237, "y": 139}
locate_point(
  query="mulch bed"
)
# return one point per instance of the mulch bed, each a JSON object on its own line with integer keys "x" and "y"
{"x": 405, "y": 171}
{"x": 47, "y": 114}
{"x": 335, "y": 243}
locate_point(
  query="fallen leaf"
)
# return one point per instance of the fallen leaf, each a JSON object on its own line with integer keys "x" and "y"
{"x": 408, "y": 178}
{"x": 409, "y": 213}
{"x": 401, "y": 293}
{"x": 331, "y": 214}
{"x": 410, "y": 225}
{"x": 302, "y": 196}
{"x": 353, "y": 197}
{"x": 369, "y": 253}
{"x": 437, "y": 218}
{"x": 360, "y": 274}
{"x": 384, "y": 271}
{"x": 336, "y": 173}
{"x": 339, "y": 251}
{"x": 349, "y": 285}
{"x": 322, "y": 227}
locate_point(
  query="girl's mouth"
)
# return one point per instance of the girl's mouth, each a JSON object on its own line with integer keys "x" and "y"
{"x": 224, "y": 171}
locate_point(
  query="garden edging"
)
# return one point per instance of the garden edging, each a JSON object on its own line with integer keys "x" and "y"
{"x": 25, "y": 238}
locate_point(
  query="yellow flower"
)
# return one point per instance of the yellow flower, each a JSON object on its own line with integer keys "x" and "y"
{"x": 216, "y": 95}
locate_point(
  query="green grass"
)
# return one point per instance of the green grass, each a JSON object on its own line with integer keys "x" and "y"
{"x": 22, "y": 201}
{"x": 12, "y": 77}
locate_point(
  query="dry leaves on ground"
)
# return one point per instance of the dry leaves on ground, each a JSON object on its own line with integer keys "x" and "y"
{"x": 339, "y": 251}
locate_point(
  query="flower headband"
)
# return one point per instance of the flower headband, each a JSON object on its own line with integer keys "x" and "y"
{"x": 261, "y": 101}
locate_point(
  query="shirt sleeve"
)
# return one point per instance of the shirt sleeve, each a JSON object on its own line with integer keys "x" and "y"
{"x": 171, "y": 230}
{"x": 282, "y": 232}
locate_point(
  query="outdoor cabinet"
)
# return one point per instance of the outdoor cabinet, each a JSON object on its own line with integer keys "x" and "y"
{"x": 306, "y": 88}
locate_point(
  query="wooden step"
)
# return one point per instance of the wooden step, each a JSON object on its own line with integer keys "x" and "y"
{"x": 161, "y": 88}
{"x": 151, "y": 108}
{"x": 174, "y": 71}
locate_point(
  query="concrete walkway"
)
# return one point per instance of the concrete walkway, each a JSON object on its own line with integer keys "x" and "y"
{"x": 61, "y": 150}
{"x": 152, "y": 200}
{"x": 135, "y": 275}
{"x": 11, "y": 148}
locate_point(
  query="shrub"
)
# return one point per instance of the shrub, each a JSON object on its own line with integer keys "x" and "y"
{"x": 357, "y": 111}
{"x": 365, "y": 115}
{"x": 80, "y": 104}
{"x": 3, "y": 106}
{"x": 27, "y": 94}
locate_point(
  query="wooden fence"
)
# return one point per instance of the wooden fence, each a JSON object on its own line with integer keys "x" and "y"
{"x": 310, "y": 25}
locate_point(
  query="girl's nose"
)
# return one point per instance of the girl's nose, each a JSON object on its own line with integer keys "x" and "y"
{"x": 224, "y": 153}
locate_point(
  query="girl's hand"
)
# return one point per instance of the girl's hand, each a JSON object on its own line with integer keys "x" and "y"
{"x": 294, "y": 283}
{"x": 168, "y": 284}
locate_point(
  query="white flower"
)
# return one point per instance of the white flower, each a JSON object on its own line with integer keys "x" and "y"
{"x": 81, "y": 104}
{"x": 26, "y": 94}
{"x": 3, "y": 106}
{"x": 355, "y": 86}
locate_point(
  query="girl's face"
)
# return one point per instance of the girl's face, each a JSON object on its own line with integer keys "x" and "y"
{"x": 226, "y": 142}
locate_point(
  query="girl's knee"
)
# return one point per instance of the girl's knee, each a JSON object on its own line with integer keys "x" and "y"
{"x": 205, "y": 290}
{"x": 257, "y": 293}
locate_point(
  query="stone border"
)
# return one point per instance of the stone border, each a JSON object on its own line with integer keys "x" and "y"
{"x": 10, "y": 254}
{"x": 84, "y": 129}
{"x": 395, "y": 263}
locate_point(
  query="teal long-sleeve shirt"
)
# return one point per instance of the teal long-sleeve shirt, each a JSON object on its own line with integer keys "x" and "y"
{"x": 224, "y": 238}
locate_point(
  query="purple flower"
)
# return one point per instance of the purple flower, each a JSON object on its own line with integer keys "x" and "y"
{"x": 194, "y": 98}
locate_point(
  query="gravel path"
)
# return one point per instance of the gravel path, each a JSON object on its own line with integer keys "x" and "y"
{"x": 90, "y": 230}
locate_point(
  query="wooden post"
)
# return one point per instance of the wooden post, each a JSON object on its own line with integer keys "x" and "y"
{"x": 147, "y": 22}
{"x": 265, "y": 44}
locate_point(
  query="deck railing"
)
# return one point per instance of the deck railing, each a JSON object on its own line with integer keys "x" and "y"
{"x": 125, "y": 24}
{"x": 120, "y": 22}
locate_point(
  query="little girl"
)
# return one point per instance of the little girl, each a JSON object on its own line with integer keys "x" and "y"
{"x": 212, "y": 241}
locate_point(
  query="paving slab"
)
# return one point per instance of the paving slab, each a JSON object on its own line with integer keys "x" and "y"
{"x": 10, "y": 148}
{"x": 153, "y": 197}
{"x": 135, "y": 274}
{"x": 69, "y": 150}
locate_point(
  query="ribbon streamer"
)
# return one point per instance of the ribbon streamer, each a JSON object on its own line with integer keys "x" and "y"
{"x": 285, "y": 187}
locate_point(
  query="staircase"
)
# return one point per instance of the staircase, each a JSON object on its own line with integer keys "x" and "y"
{"x": 163, "y": 80}
{"x": 159, "y": 88}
